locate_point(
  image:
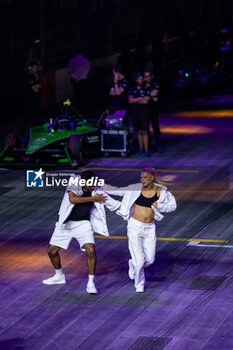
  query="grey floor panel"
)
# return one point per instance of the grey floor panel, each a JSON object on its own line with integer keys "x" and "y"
{"x": 207, "y": 282}
{"x": 149, "y": 343}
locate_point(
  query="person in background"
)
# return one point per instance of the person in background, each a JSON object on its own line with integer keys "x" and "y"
{"x": 79, "y": 67}
{"x": 32, "y": 89}
{"x": 139, "y": 98}
{"x": 119, "y": 90}
{"x": 153, "y": 89}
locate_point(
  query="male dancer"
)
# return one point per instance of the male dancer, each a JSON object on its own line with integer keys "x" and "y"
{"x": 81, "y": 214}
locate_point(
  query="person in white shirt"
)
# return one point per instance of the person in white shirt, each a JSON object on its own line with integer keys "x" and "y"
{"x": 81, "y": 214}
{"x": 142, "y": 204}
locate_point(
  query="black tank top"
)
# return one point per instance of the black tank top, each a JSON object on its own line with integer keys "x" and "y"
{"x": 146, "y": 202}
{"x": 81, "y": 211}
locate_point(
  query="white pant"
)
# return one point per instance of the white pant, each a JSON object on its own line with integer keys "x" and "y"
{"x": 142, "y": 246}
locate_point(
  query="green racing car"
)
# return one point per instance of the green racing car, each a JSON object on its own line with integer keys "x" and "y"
{"x": 66, "y": 139}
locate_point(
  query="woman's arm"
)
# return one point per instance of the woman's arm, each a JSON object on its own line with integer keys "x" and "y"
{"x": 113, "y": 190}
{"x": 166, "y": 202}
{"x": 111, "y": 203}
{"x": 121, "y": 191}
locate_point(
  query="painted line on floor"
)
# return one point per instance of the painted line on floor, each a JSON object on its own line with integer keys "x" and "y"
{"x": 199, "y": 244}
{"x": 138, "y": 170}
{"x": 198, "y": 240}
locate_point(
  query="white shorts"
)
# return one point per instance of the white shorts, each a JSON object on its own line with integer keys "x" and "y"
{"x": 80, "y": 230}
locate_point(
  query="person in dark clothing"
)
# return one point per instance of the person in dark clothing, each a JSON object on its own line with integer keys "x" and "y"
{"x": 153, "y": 89}
{"x": 119, "y": 90}
{"x": 139, "y": 97}
{"x": 32, "y": 89}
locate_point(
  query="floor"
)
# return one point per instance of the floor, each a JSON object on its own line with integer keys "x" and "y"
{"x": 188, "y": 300}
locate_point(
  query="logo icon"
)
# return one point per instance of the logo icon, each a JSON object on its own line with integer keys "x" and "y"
{"x": 35, "y": 178}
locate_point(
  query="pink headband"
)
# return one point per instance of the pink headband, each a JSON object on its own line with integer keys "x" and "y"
{"x": 150, "y": 170}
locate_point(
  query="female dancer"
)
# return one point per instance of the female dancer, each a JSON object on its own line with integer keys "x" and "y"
{"x": 141, "y": 205}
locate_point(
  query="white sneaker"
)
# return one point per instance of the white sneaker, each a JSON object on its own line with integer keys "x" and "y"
{"x": 91, "y": 289}
{"x": 55, "y": 280}
{"x": 140, "y": 289}
{"x": 131, "y": 272}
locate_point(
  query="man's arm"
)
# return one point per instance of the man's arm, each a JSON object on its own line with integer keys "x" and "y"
{"x": 154, "y": 93}
{"x": 116, "y": 91}
{"x": 132, "y": 99}
{"x": 112, "y": 92}
{"x": 74, "y": 199}
{"x": 144, "y": 100}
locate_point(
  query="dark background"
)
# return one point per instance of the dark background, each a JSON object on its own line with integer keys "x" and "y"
{"x": 101, "y": 28}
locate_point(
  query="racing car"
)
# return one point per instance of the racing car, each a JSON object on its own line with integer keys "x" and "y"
{"x": 66, "y": 138}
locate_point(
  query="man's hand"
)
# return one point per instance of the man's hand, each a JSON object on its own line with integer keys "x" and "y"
{"x": 36, "y": 88}
{"x": 154, "y": 93}
{"x": 155, "y": 204}
{"x": 131, "y": 99}
{"x": 144, "y": 101}
{"x": 100, "y": 198}
{"x": 116, "y": 78}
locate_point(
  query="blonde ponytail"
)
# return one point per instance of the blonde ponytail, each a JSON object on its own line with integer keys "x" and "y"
{"x": 157, "y": 178}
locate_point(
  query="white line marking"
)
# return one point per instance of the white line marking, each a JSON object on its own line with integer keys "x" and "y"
{"x": 199, "y": 244}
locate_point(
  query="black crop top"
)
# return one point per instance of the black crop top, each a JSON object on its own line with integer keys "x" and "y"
{"x": 146, "y": 202}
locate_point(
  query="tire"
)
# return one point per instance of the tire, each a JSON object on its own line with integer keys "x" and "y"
{"x": 78, "y": 148}
{"x": 11, "y": 139}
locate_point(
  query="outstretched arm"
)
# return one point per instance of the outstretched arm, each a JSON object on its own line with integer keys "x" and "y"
{"x": 113, "y": 190}
{"x": 110, "y": 203}
{"x": 121, "y": 191}
{"x": 74, "y": 199}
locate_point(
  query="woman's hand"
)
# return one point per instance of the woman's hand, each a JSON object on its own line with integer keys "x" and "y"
{"x": 155, "y": 204}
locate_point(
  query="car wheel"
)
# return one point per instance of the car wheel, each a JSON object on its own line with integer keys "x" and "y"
{"x": 11, "y": 139}
{"x": 78, "y": 148}
{"x": 124, "y": 154}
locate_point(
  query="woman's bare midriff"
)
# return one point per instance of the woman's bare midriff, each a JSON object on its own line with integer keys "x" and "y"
{"x": 143, "y": 214}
